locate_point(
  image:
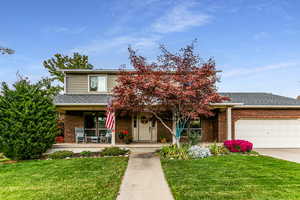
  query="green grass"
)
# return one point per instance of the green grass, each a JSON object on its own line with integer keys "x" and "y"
{"x": 233, "y": 177}
{"x": 75, "y": 179}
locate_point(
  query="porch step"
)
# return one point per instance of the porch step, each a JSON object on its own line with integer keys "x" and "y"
{"x": 77, "y": 148}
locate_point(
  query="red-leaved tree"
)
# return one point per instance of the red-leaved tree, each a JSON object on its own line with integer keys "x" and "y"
{"x": 180, "y": 83}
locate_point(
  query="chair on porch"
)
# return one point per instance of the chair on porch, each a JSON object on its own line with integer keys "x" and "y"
{"x": 79, "y": 135}
{"x": 105, "y": 137}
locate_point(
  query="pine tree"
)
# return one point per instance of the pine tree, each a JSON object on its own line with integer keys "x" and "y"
{"x": 27, "y": 119}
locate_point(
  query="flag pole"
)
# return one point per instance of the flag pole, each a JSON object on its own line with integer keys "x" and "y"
{"x": 113, "y": 132}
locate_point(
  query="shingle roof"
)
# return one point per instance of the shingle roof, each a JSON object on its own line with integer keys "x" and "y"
{"x": 260, "y": 99}
{"x": 250, "y": 99}
{"x": 82, "y": 99}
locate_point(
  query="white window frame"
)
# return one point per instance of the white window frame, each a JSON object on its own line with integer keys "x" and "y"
{"x": 96, "y": 75}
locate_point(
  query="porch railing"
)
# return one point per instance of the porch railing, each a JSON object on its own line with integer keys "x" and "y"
{"x": 103, "y": 135}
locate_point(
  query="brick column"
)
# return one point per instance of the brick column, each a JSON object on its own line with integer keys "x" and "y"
{"x": 222, "y": 126}
{"x": 72, "y": 120}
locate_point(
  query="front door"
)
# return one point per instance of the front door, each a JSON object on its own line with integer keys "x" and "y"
{"x": 146, "y": 130}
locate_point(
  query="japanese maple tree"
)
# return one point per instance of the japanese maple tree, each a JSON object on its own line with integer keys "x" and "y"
{"x": 180, "y": 83}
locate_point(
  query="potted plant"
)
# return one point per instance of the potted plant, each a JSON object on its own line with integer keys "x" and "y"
{"x": 59, "y": 139}
{"x": 128, "y": 139}
{"x": 163, "y": 139}
{"x": 122, "y": 134}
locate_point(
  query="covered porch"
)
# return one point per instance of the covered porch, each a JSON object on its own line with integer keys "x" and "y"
{"x": 83, "y": 126}
{"x": 142, "y": 128}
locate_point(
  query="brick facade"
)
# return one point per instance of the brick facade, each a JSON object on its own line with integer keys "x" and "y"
{"x": 162, "y": 131}
{"x": 214, "y": 129}
{"x": 209, "y": 129}
{"x": 123, "y": 123}
{"x": 72, "y": 120}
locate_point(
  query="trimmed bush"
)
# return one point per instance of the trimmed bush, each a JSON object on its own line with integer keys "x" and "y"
{"x": 238, "y": 145}
{"x": 218, "y": 150}
{"x": 86, "y": 153}
{"x": 61, "y": 154}
{"x": 113, "y": 151}
{"x": 27, "y": 119}
{"x": 174, "y": 152}
{"x": 198, "y": 152}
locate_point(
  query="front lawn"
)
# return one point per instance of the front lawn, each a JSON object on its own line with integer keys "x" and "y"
{"x": 76, "y": 179}
{"x": 233, "y": 177}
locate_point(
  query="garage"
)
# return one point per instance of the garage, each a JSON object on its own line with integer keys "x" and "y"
{"x": 269, "y": 133}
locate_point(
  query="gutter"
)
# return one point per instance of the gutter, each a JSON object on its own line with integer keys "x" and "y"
{"x": 268, "y": 106}
{"x": 80, "y": 104}
{"x": 227, "y": 104}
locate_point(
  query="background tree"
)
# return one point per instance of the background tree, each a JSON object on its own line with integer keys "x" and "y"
{"x": 60, "y": 61}
{"x": 4, "y": 50}
{"x": 180, "y": 83}
{"x": 27, "y": 119}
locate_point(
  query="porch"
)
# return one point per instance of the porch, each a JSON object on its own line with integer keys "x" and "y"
{"x": 142, "y": 128}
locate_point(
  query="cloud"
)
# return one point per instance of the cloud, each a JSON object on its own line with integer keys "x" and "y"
{"x": 120, "y": 44}
{"x": 180, "y": 18}
{"x": 261, "y": 35}
{"x": 62, "y": 29}
{"x": 243, "y": 71}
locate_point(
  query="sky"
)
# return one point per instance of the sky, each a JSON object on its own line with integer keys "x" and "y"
{"x": 255, "y": 43}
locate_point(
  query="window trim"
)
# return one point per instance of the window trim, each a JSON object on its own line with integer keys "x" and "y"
{"x": 97, "y": 75}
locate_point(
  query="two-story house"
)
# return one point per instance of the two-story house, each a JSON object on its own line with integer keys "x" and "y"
{"x": 265, "y": 119}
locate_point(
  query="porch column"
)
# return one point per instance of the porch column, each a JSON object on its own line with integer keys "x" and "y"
{"x": 113, "y": 133}
{"x": 113, "y": 138}
{"x": 229, "y": 120}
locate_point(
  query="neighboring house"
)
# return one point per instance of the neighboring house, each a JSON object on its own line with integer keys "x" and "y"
{"x": 265, "y": 119}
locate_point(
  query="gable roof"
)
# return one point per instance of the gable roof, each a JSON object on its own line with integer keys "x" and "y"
{"x": 245, "y": 99}
{"x": 268, "y": 99}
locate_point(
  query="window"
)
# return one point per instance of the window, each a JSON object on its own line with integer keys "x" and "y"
{"x": 134, "y": 121}
{"x": 101, "y": 119}
{"x": 98, "y": 84}
{"x": 94, "y": 123}
{"x": 193, "y": 126}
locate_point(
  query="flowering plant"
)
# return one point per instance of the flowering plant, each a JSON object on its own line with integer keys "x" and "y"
{"x": 122, "y": 134}
{"x": 238, "y": 145}
{"x": 199, "y": 152}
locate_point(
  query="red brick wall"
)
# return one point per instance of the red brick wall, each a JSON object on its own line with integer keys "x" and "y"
{"x": 123, "y": 123}
{"x": 163, "y": 131}
{"x": 222, "y": 126}
{"x": 209, "y": 129}
{"x": 262, "y": 113}
{"x": 72, "y": 120}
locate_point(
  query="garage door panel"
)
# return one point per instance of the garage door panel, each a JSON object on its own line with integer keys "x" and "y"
{"x": 272, "y": 133}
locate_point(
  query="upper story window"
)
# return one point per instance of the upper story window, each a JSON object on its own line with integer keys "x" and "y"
{"x": 98, "y": 83}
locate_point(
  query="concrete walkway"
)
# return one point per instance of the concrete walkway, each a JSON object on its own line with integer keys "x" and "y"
{"x": 144, "y": 179}
{"x": 285, "y": 154}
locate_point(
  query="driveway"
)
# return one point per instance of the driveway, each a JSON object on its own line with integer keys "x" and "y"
{"x": 285, "y": 154}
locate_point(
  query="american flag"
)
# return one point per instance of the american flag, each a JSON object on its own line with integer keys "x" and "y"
{"x": 110, "y": 120}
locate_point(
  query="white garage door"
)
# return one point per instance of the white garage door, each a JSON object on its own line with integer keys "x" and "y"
{"x": 274, "y": 133}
